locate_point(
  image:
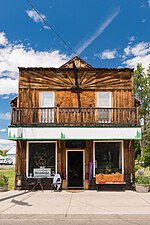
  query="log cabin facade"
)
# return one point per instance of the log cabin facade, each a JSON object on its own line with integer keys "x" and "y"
{"x": 75, "y": 120}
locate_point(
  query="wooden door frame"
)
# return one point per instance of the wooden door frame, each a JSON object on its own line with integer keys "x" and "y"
{"x": 75, "y": 150}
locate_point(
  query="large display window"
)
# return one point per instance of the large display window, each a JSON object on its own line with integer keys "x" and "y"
{"x": 108, "y": 157}
{"x": 41, "y": 159}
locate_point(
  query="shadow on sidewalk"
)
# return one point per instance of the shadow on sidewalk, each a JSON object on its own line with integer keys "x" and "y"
{"x": 12, "y": 196}
{"x": 16, "y": 202}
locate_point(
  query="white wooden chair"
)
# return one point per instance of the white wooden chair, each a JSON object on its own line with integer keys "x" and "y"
{"x": 57, "y": 181}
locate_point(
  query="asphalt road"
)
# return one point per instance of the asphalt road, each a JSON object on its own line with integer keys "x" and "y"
{"x": 110, "y": 221}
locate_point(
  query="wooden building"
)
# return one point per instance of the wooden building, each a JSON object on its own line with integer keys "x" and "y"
{"x": 75, "y": 120}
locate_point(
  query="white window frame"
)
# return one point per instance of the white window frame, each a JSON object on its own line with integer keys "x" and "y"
{"x": 27, "y": 154}
{"x": 75, "y": 150}
{"x": 110, "y": 103}
{"x": 41, "y": 98}
{"x": 98, "y": 98}
{"x": 47, "y": 119}
{"x": 122, "y": 151}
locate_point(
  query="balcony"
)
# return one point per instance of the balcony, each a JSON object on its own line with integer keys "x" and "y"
{"x": 74, "y": 117}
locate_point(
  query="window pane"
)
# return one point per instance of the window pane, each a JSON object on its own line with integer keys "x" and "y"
{"x": 104, "y": 99}
{"x": 108, "y": 157}
{"x": 47, "y": 99}
{"x": 41, "y": 155}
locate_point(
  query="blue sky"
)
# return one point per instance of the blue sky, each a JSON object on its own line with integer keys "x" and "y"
{"x": 105, "y": 33}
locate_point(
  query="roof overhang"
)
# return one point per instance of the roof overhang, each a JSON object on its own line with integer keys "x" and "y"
{"x": 13, "y": 101}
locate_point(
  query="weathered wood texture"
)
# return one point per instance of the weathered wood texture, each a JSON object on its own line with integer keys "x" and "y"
{"x": 88, "y": 79}
{"x": 33, "y": 81}
{"x": 21, "y": 157}
{"x": 128, "y": 161}
{"x": 62, "y": 81}
{"x": 90, "y": 116}
{"x": 20, "y": 167}
{"x": 79, "y": 63}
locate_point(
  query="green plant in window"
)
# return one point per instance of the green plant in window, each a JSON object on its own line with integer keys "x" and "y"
{"x": 104, "y": 167}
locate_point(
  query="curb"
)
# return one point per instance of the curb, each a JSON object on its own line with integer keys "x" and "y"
{"x": 76, "y": 216}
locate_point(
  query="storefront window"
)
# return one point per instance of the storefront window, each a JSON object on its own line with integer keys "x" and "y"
{"x": 108, "y": 157}
{"x": 41, "y": 155}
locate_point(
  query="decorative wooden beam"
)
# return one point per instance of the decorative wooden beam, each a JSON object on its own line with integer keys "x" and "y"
{"x": 77, "y": 88}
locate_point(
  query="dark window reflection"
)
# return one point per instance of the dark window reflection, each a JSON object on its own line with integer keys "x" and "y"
{"x": 108, "y": 157}
{"x": 76, "y": 144}
{"x": 41, "y": 155}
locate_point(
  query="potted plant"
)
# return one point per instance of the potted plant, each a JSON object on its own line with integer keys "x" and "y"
{"x": 3, "y": 182}
{"x": 142, "y": 184}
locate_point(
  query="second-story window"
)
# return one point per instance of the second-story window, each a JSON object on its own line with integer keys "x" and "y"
{"x": 47, "y": 106}
{"x": 104, "y": 103}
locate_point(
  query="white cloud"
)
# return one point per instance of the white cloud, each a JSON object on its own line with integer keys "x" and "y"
{"x": 108, "y": 54}
{"x": 127, "y": 50}
{"x": 140, "y": 49}
{"x": 6, "y": 144}
{"x": 35, "y": 16}
{"x": 148, "y": 3}
{"x": 13, "y": 56}
{"x": 5, "y": 116}
{"x": 98, "y": 32}
{"x": 139, "y": 53}
{"x": 3, "y": 39}
{"x": 5, "y": 97}
{"x": 8, "y": 86}
{"x": 3, "y": 130}
{"x": 132, "y": 38}
{"x": 132, "y": 63}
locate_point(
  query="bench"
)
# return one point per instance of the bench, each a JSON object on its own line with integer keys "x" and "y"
{"x": 113, "y": 179}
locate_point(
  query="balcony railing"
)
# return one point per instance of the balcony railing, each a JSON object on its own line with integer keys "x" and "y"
{"x": 56, "y": 116}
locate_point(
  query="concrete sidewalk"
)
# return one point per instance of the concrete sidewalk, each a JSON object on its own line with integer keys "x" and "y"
{"x": 87, "y": 204}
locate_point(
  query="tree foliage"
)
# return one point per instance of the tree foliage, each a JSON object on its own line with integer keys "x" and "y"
{"x": 142, "y": 92}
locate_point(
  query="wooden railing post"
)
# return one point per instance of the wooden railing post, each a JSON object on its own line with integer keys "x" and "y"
{"x": 92, "y": 116}
{"x": 57, "y": 114}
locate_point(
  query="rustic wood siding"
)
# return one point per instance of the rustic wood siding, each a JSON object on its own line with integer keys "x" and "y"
{"x": 20, "y": 168}
{"x": 69, "y": 99}
{"x": 32, "y": 82}
{"x": 128, "y": 161}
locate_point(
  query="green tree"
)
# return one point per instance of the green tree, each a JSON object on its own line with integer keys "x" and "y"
{"x": 142, "y": 91}
{"x": 146, "y": 150}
